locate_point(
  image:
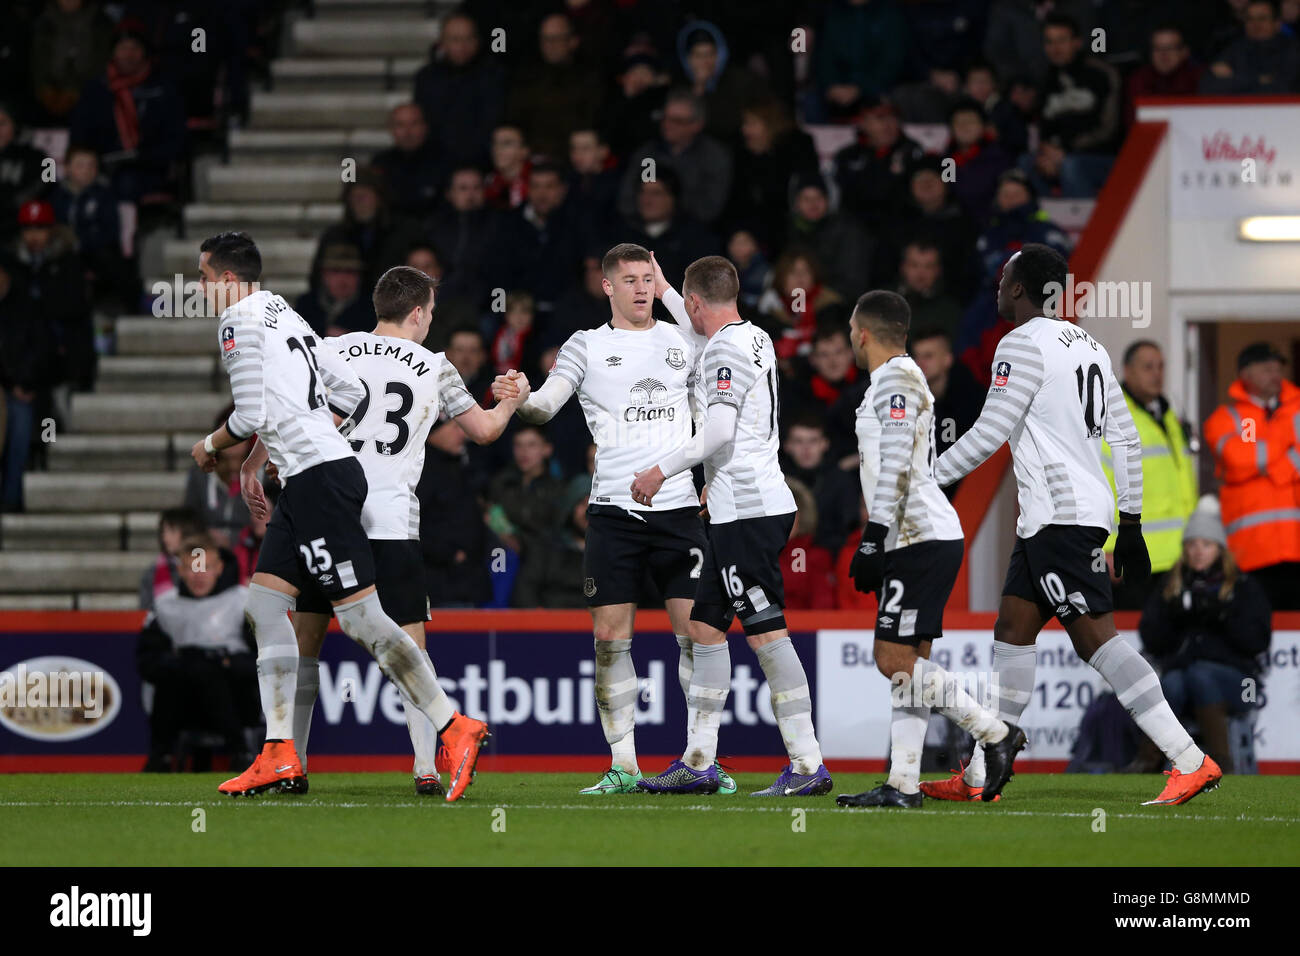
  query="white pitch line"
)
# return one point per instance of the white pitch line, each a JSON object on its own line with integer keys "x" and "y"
{"x": 642, "y": 807}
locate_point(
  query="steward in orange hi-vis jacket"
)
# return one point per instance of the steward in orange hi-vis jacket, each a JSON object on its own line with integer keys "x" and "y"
{"x": 1256, "y": 451}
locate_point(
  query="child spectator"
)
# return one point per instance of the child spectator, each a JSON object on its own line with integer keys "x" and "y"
{"x": 507, "y": 185}
{"x": 174, "y": 526}
{"x": 806, "y": 569}
{"x": 515, "y": 344}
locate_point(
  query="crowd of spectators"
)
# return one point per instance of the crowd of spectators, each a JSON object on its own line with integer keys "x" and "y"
{"x": 120, "y": 94}
{"x": 683, "y": 127}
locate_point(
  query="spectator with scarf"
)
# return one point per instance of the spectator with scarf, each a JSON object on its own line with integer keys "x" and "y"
{"x": 133, "y": 118}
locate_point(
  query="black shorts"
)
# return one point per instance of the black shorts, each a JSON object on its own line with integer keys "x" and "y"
{"x": 918, "y": 580}
{"x": 1062, "y": 569}
{"x": 742, "y": 574}
{"x": 623, "y": 546}
{"x": 315, "y": 535}
{"x": 399, "y": 579}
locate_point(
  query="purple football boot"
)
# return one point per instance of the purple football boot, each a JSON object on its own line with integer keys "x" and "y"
{"x": 791, "y": 784}
{"x": 679, "y": 778}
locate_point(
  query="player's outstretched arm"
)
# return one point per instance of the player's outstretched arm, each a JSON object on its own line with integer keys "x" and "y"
{"x": 485, "y": 425}
{"x": 719, "y": 428}
{"x": 1017, "y": 377}
{"x": 539, "y": 407}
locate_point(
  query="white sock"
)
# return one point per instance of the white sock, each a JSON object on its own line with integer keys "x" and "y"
{"x": 706, "y": 698}
{"x": 1138, "y": 689}
{"x": 906, "y": 741}
{"x": 424, "y": 738}
{"x": 397, "y": 655}
{"x": 1013, "y": 681}
{"x": 267, "y": 610}
{"x": 685, "y": 663}
{"x": 304, "y": 702}
{"x": 792, "y": 703}
{"x": 953, "y": 702}
{"x": 616, "y": 690}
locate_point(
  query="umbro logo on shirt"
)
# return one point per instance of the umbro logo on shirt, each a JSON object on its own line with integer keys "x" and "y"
{"x": 614, "y": 360}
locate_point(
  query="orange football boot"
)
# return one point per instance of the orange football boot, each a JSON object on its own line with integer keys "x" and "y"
{"x": 463, "y": 740}
{"x": 1181, "y": 787}
{"x": 442, "y": 760}
{"x": 954, "y": 788}
{"x": 275, "y": 768}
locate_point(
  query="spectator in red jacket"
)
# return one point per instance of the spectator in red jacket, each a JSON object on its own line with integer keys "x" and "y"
{"x": 806, "y": 569}
{"x": 1169, "y": 72}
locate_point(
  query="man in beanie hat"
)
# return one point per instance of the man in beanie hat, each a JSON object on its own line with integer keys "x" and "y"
{"x": 1206, "y": 628}
{"x": 1253, "y": 437}
{"x": 336, "y": 306}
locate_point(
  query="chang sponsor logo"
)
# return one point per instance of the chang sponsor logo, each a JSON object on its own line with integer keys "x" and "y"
{"x": 57, "y": 698}
{"x": 646, "y": 402}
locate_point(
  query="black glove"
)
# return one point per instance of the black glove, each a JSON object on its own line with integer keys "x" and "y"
{"x": 868, "y": 565}
{"x": 1132, "y": 563}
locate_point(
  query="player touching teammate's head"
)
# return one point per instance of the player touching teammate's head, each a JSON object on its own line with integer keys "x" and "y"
{"x": 713, "y": 279}
{"x": 710, "y": 284}
{"x": 404, "y": 296}
{"x": 1032, "y": 279}
{"x": 880, "y": 318}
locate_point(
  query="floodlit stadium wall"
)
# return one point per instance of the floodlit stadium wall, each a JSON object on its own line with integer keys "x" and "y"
{"x": 530, "y": 674}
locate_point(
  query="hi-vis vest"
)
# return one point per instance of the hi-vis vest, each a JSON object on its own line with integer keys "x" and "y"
{"x": 1257, "y": 455}
{"x": 1168, "y": 484}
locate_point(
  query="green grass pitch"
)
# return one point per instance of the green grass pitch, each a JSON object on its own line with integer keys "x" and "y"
{"x": 521, "y": 819}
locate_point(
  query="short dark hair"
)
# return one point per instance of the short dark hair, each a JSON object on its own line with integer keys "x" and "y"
{"x": 1038, "y": 267}
{"x": 1062, "y": 20}
{"x": 1131, "y": 352}
{"x": 684, "y": 94}
{"x": 234, "y": 252}
{"x": 76, "y": 148}
{"x": 886, "y": 314}
{"x": 623, "y": 252}
{"x": 923, "y": 245}
{"x": 467, "y": 330}
{"x": 927, "y": 332}
{"x": 824, "y": 333}
{"x": 544, "y": 167}
{"x": 967, "y": 104}
{"x": 666, "y": 176}
{"x": 806, "y": 420}
{"x": 523, "y": 427}
{"x": 713, "y": 279}
{"x": 186, "y": 520}
{"x": 399, "y": 290}
{"x": 1273, "y": 5}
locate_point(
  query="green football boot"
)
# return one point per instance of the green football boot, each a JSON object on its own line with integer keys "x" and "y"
{"x": 727, "y": 785}
{"x": 614, "y": 781}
